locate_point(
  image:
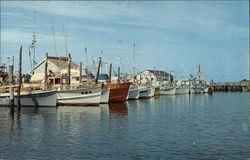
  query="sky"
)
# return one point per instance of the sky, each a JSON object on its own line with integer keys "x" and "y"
{"x": 168, "y": 35}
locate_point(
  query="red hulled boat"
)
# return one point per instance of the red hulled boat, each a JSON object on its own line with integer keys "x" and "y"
{"x": 118, "y": 92}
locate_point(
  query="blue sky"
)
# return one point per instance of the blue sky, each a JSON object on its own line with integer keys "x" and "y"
{"x": 169, "y": 35}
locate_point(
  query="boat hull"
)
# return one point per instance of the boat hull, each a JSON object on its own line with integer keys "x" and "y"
{"x": 157, "y": 91}
{"x": 79, "y": 97}
{"x": 133, "y": 94}
{"x": 181, "y": 91}
{"x": 105, "y": 95}
{"x": 32, "y": 99}
{"x": 168, "y": 91}
{"x": 118, "y": 92}
{"x": 146, "y": 92}
{"x": 195, "y": 90}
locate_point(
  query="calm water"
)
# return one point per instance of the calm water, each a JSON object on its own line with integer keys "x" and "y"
{"x": 168, "y": 127}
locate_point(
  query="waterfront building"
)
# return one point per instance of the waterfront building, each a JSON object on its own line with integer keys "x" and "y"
{"x": 58, "y": 66}
{"x": 153, "y": 76}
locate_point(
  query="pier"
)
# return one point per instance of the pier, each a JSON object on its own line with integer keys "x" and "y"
{"x": 243, "y": 85}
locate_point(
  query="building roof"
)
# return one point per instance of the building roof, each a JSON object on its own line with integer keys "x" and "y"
{"x": 158, "y": 73}
{"x": 60, "y": 62}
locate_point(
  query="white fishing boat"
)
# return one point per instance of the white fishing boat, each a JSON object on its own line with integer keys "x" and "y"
{"x": 133, "y": 92}
{"x": 195, "y": 90}
{"x": 79, "y": 97}
{"x": 181, "y": 90}
{"x": 36, "y": 98}
{"x": 105, "y": 95}
{"x": 146, "y": 92}
{"x": 205, "y": 89}
{"x": 167, "y": 90}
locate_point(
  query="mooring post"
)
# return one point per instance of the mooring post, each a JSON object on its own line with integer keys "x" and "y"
{"x": 69, "y": 68}
{"x": 98, "y": 71}
{"x": 11, "y": 88}
{"x": 20, "y": 80}
{"x": 118, "y": 75}
{"x": 80, "y": 73}
{"x": 46, "y": 72}
{"x": 110, "y": 72}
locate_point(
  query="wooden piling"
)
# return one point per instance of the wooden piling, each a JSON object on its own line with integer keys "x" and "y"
{"x": 20, "y": 80}
{"x": 110, "y": 72}
{"x": 98, "y": 71}
{"x": 11, "y": 88}
{"x": 69, "y": 68}
{"x": 118, "y": 80}
{"x": 46, "y": 72}
{"x": 80, "y": 73}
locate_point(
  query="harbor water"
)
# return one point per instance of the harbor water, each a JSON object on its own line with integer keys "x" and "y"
{"x": 167, "y": 127}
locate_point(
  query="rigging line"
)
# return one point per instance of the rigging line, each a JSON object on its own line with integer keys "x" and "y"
{"x": 66, "y": 37}
{"x": 33, "y": 45}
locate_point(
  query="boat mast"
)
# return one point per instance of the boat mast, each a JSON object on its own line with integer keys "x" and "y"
{"x": 134, "y": 62}
{"x": 65, "y": 37}
{"x": 33, "y": 45}
{"x": 53, "y": 31}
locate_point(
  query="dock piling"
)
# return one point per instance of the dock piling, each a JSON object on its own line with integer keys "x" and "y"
{"x": 11, "y": 88}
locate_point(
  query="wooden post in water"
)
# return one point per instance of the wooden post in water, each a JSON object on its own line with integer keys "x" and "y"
{"x": 118, "y": 80}
{"x": 46, "y": 72}
{"x": 11, "y": 88}
{"x": 80, "y": 73}
{"x": 69, "y": 68}
{"x": 20, "y": 80}
{"x": 98, "y": 71}
{"x": 110, "y": 72}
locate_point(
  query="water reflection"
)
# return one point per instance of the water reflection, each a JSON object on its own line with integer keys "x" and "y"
{"x": 118, "y": 108}
{"x": 183, "y": 126}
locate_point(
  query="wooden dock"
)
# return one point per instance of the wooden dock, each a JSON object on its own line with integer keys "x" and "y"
{"x": 232, "y": 86}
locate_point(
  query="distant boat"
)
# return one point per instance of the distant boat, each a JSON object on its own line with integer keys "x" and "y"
{"x": 146, "y": 92}
{"x": 36, "y": 98}
{"x": 195, "y": 90}
{"x": 167, "y": 90}
{"x": 181, "y": 90}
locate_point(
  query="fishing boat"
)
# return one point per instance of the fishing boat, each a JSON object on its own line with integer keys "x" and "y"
{"x": 133, "y": 93}
{"x": 105, "y": 95}
{"x": 36, "y": 98}
{"x": 166, "y": 90}
{"x": 181, "y": 90}
{"x": 118, "y": 91}
{"x": 79, "y": 97}
{"x": 146, "y": 92}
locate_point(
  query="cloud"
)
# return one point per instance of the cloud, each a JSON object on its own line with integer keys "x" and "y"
{"x": 174, "y": 16}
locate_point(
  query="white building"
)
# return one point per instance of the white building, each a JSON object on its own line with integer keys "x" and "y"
{"x": 57, "y": 66}
{"x": 153, "y": 76}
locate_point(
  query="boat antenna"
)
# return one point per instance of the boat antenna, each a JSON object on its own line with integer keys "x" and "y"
{"x": 86, "y": 57}
{"x": 66, "y": 37}
{"x": 33, "y": 44}
{"x": 53, "y": 31}
{"x": 134, "y": 62}
{"x": 30, "y": 59}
